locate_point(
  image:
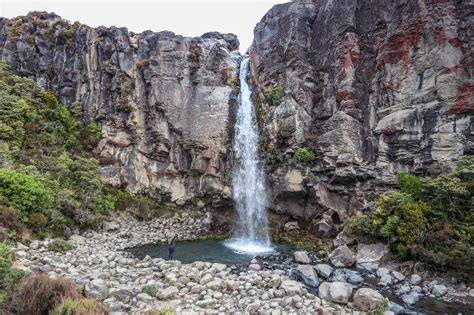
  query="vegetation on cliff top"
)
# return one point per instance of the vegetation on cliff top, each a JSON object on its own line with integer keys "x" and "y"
{"x": 429, "y": 220}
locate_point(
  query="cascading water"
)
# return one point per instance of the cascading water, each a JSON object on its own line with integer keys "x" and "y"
{"x": 248, "y": 178}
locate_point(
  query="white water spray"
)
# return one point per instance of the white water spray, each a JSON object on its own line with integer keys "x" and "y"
{"x": 248, "y": 178}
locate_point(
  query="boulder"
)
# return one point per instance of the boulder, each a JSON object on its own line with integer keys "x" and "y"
{"x": 411, "y": 298}
{"x": 110, "y": 226}
{"x": 168, "y": 293}
{"x": 398, "y": 275}
{"x": 338, "y": 292}
{"x": 308, "y": 275}
{"x": 123, "y": 294}
{"x": 322, "y": 229}
{"x": 439, "y": 290}
{"x": 324, "y": 270}
{"x": 302, "y": 257}
{"x": 371, "y": 252}
{"x": 415, "y": 279}
{"x": 96, "y": 288}
{"x": 366, "y": 299}
{"x": 342, "y": 257}
{"x": 290, "y": 287}
{"x": 145, "y": 298}
{"x": 291, "y": 226}
{"x": 255, "y": 267}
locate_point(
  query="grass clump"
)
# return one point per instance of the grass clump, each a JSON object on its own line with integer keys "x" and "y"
{"x": 305, "y": 155}
{"x": 150, "y": 290}
{"x": 87, "y": 306}
{"x": 60, "y": 245}
{"x": 39, "y": 294}
{"x": 275, "y": 97}
{"x": 429, "y": 220}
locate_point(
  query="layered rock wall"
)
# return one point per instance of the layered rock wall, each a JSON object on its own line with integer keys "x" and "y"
{"x": 372, "y": 87}
{"x": 163, "y": 101}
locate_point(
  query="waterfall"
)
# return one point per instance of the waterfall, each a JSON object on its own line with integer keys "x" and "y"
{"x": 248, "y": 176}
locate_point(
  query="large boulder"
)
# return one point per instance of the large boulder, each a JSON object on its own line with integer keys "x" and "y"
{"x": 366, "y": 299}
{"x": 338, "y": 292}
{"x": 342, "y": 257}
{"x": 371, "y": 252}
{"x": 302, "y": 257}
{"x": 96, "y": 288}
{"x": 324, "y": 270}
{"x": 308, "y": 275}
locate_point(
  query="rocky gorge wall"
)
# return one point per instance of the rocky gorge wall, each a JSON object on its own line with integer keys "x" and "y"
{"x": 163, "y": 101}
{"x": 371, "y": 87}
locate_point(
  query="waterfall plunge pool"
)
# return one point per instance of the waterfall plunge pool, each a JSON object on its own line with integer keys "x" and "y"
{"x": 208, "y": 250}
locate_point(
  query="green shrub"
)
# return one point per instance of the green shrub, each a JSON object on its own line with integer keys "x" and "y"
{"x": 126, "y": 89}
{"x": 87, "y": 306}
{"x": 283, "y": 133}
{"x": 95, "y": 131}
{"x": 39, "y": 294}
{"x": 150, "y": 290}
{"x": 25, "y": 193}
{"x": 430, "y": 220}
{"x": 275, "y": 97}
{"x": 60, "y": 245}
{"x": 37, "y": 221}
{"x": 305, "y": 155}
{"x": 9, "y": 276}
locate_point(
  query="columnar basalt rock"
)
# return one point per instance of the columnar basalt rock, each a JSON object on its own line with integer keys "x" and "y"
{"x": 163, "y": 101}
{"x": 372, "y": 87}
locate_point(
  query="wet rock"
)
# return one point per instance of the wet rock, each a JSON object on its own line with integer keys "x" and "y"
{"x": 398, "y": 275}
{"x": 382, "y": 272}
{"x": 415, "y": 279}
{"x": 386, "y": 280}
{"x": 338, "y": 292}
{"x": 342, "y": 257}
{"x": 411, "y": 298}
{"x": 308, "y": 275}
{"x": 324, "y": 270}
{"x": 96, "y": 288}
{"x": 371, "y": 252}
{"x": 439, "y": 290}
{"x": 366, "y": 299}
{"x": 302, "y": 257}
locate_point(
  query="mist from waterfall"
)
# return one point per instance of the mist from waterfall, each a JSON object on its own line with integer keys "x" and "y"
{"x": 248, "y": 177}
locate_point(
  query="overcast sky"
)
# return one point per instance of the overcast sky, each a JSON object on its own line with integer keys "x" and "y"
{"x": 188, "y": 18}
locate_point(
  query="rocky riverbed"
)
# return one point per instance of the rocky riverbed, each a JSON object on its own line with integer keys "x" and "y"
{"x": 99, "y": 265}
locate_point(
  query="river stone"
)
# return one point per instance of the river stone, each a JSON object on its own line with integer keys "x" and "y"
{"x": 96, "y": 288}
{"x": 123, "y": 294}
{"x": 439, "y": 290}
{"x": 145, "y": 298}
{"x": 398, "y": 275}
{"x": 411, "y": 298}
{"x": 338, "y": 292}
{"x": 110, "y": 226}
{"x": 366, "y": 299}
{"x": 324, "y": 270}
{"x": 342, "y": 257}
{"x": 415, "y": 279}
{"x": 255, "y": 267}
{"x": 371, "y": 252}
{"x": 290, "y": 287}
{"x": 307, "y": 273}
{"x": 302, "y": 257}
{"x": 168, "y": 293}
{"x": 219, "y": 267}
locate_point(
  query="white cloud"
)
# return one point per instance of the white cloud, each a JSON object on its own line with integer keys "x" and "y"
{"x": 188, "y": 18}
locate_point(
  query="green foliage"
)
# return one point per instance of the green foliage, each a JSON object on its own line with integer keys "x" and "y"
{"x": 94, "y": 130}
{"x": 305, "y": 155}
{"x": 430, "y": 220}
{"x": 150, "y": 290}
{"x": 9, "y": 276}
{"x": 37, "y": 221}
{"x": 87, "y": 306}
{"x": 25, "y": 193}
{"x": 275, "y": 97}
{"x": 126, "y": 89}
{"x": 283, "y": 133}
{"x": 60, "y": 245}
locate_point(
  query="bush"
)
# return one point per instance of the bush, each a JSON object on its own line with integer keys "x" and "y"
{"x": 150, "y": 290}
{"x": 275, "y": 97}
{"x": 126, "y": 89}
{"x": 283, "y": 133}
{"x": 37, "y": 221}
{"x": 87, "y": 306}
{"x": 24, "y": 193}
{"x": 305, "y": 155}
{"x": 430, "y": 220}
{"x": 60, "y": 245}
{"x": 10, "y": 219}
{"x": 39, "y": 294}
{"x": 9, "y": 276}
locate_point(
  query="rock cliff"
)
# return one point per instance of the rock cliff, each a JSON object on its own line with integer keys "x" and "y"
{"x": 163, "y": 101}
{"x": 371, "y": 87}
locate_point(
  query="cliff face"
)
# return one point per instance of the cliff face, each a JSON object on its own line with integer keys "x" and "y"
{"x": 372, "y": 87}
{"x": 162, "y": 100}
